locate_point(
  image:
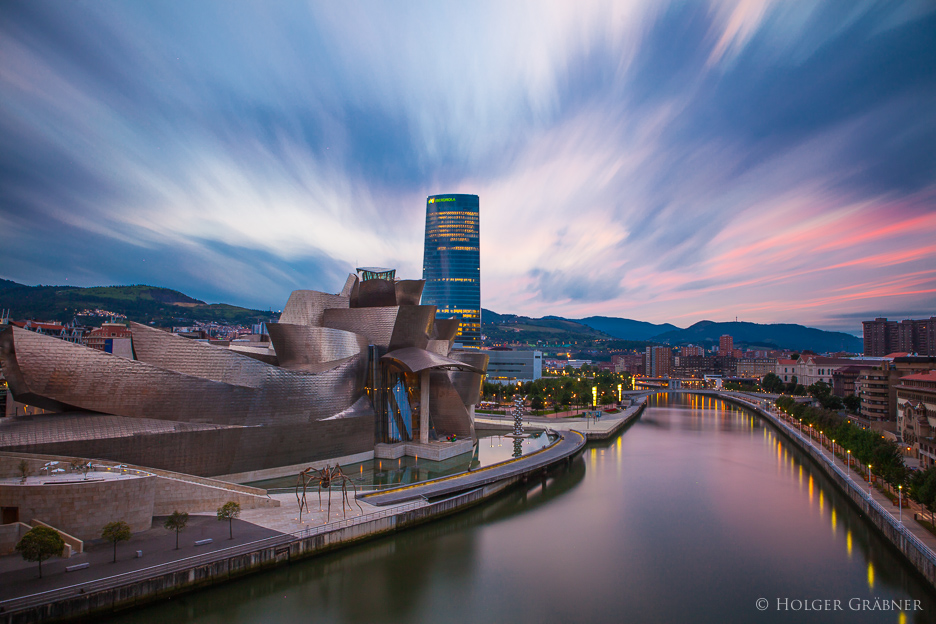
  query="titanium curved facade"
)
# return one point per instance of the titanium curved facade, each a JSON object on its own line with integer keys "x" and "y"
{"x": 452, "y": 263}
{"x": 326, "y": 389}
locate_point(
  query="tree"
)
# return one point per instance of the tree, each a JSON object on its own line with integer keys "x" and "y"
{"x": 39, "y": 544}
{"x": 852, "y": 403}
{"x": 228, "y": 511}
{"x": 116, "y": 532}
{"x": 24, "y": 471}
{"x": 176, "y": 522}
{"x": 772, "y": 383}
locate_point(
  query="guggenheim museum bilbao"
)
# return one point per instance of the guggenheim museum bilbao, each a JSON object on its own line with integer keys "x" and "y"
{"x": 342, "y": 373}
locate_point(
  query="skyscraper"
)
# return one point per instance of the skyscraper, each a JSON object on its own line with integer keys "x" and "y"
{"x": 452, "y": 263}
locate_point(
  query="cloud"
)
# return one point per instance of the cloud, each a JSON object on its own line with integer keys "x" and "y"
{"x": 643, "y": 159}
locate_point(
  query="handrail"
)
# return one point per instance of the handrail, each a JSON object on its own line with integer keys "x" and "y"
{"x": 905, "y": 533}
{"x": 124, "y": 578}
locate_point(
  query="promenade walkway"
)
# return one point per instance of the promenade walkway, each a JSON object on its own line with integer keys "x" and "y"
{"x": 568, "y": 445}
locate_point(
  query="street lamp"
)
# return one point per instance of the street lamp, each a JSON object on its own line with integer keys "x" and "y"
{"x": 900, "y": 502}
{"x": 869, "y": 480}
{"x": 848, "y": 465}
{"x": 833, "y": 451}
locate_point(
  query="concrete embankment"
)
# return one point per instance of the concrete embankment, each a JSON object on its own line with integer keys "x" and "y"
{"x": 136, "y": 588}
{"x": 916, "y": 552}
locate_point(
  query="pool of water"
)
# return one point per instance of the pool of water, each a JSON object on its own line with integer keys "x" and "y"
{"x": 380, "y": 473}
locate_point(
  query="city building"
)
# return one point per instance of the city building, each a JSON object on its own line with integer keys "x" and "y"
{"x": 916, "y": 415}
{"x": 632, "y": 363}
{"x": 725, "y": 345}
{"x": 658, "y": 361}
{"x": 508, "y": 366}
{"x": 844, "y": 379}
{"x": 688, "y": 350}
{"x": 911, "y": 336}
{"x": 452, "y": 263}
{"x": 343, "y": 376}
{"x": 812, "y": 369}
{"x": 877, "y": 386}
{"x": 755, "y": 367}
{"x": 114, "y": 338}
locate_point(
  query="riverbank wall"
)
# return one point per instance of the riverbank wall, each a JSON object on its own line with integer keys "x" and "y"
{"x": 917, "y": 553}
{"x": 83, "y": 602}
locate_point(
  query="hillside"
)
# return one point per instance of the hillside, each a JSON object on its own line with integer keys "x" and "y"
{"x": 549, "y": 329}
{"x": 754, "y": 335}
{"x": 144, "y": 304}
{"x": 777, "y": 335}
{"x": 626, "y": 329}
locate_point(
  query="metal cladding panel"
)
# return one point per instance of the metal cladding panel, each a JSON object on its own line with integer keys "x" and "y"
{"x": 95, "y": 381}
{"x": 355, "y": 291}
{"x": 376, "y": 324}
{"x": 445, "y": 329}
{"x": 16, "y": 382}
{"x": 349, "y": 285}
{"x": 376, "y": 293}
{"x": 200, "y": 450}
{"x": 186, "y": 356}
{"x": 442, "y": 347}
{"x": 315, "y": 349}
{"x": 305, "y": 307}
{"x": 414, "y": 360}
{"x": 449, "y": 414}
{"x": 409, "y": 292}
{"x": 467, "y": 383}
{"x": 412, "y": 327}
{"x": 264, "y": 354}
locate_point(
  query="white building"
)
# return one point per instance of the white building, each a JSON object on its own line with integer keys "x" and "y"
{"x": 506, "y": 367}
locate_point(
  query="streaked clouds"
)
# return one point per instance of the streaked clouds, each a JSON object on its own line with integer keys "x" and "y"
{"x": 767, "y": 160}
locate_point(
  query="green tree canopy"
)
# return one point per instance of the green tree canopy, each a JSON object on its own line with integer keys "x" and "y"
{"x": 176, "y": 522}
{"x": 115, "y": 532}
{"x": 228, "y": 511}
{"x": 39, "y": 544}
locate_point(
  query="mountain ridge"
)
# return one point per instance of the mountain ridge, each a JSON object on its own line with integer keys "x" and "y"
{"x": 790, "y": 336}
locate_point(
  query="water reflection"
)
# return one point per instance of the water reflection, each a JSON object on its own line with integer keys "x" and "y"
{"x": 685, "y": 517}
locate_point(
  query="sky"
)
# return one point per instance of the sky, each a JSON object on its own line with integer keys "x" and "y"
{"x": 666, "y": 162}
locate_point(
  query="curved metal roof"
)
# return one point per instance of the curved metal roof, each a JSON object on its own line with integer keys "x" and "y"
{"x": 414, "y": 360}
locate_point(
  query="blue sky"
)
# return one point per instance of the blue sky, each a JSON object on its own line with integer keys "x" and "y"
{"x": 772, "y": 161}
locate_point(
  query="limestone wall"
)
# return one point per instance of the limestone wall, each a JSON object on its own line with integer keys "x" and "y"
{"x": 10, "y": 534}
{"x": 82, "y": 508}
{"x": 177, "y": 495}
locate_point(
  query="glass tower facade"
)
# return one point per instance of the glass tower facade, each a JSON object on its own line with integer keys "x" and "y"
{"x": 452, "y": 263}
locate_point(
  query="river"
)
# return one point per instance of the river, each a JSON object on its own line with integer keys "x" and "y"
{"x": 693, "y": 514}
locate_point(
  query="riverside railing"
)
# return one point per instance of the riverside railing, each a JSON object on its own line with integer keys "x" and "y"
{"x": 125, "y": 578}
{"x": 888, "y": 517}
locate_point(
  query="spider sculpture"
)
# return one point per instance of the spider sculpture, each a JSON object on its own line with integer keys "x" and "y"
{"x": 324, "y": 477}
